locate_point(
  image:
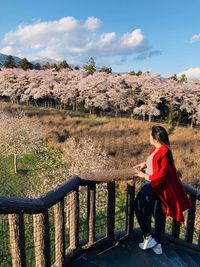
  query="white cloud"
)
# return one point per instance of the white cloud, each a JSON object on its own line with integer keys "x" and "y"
{"x": 93, "y": 24}
{"x": 133, "y": 39}
{"x": 196, "y": 37}
{"x": 69, "y": 38}
{"x": 7, "y": 50}
{"x": 107, "y": 38}
{"x": 191, "y": 74}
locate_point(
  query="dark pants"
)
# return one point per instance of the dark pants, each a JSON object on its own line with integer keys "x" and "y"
{"x": 146, "y": 204}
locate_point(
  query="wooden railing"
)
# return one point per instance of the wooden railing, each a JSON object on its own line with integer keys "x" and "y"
{"x": 65, "y": 203}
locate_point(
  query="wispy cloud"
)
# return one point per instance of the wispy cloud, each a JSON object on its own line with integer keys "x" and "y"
{"x": 148, "y": 54}
{"x": 69, "y": 38}
{"x": 195, "y": 37}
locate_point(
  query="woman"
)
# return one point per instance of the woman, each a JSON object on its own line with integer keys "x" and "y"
{"x": 163, "y": 193}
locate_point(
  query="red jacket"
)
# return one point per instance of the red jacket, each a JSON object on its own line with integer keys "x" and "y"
{"x": 168, "y": 186}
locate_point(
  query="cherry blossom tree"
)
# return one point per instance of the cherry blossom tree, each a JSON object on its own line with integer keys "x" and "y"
{"x": 146, "y": 94}
{"x": 19, "y": 135}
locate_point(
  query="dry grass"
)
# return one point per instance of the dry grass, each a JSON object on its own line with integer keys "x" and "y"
{"x": 126, "y": 140}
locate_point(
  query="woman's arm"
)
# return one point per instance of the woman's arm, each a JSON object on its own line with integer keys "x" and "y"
{"x": 159, "y": 175}
{"x": 140, "y": 166}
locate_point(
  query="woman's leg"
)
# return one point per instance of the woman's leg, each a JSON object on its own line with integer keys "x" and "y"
{"x": 159, "y": 221}
{"x": 144, "y": 205}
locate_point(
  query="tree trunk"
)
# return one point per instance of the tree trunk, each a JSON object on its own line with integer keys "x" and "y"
{"x": 15, "y": 163}
{"x": 149, "y": 118}
{"x": 192, "y": 120}
{"x": 76, "y": 105}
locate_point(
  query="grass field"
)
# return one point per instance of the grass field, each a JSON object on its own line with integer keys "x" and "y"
{"x": 125, "y": 141}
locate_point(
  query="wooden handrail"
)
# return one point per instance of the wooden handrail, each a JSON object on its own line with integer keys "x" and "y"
{"x": 112, "y": 175}
{"x": 39, "y": 205}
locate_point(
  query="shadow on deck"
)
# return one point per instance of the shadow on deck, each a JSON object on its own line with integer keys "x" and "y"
{"x": 127, "y": 253}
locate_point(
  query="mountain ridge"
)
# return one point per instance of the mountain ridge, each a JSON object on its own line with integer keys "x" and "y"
{"x": 41, "y": 61}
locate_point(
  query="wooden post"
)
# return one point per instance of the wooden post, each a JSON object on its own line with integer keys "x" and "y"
{"x": 74, "y": 220}
{"x": 111, "y": 211}
{"x": 17, "y": 239}
{"x": 130, "y": 207}
{"x": 15, "y": 163}
{"x": 91, "y": 199}
{"x": 41, "y": 240}
{"x": 175, "y": 229}
{"x": 59, "y": 234}
{"x": 191, "y": 220}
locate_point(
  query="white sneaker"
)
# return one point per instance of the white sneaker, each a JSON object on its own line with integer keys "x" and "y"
{"x": 157, "y": 249}
{"x": 149, "y": 242}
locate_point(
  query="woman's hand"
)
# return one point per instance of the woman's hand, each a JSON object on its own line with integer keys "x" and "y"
{"x": 142, "y": 174}
{"x": 140, "y": 166}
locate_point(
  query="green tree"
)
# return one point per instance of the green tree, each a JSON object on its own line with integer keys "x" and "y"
{"x": 91, "y": 66}
{"x": 183, "y": 78}
{"x": 9, "y": 63}
{"x": 63, "y": 65}
{"x": 25, "y": 64}
{"x": 105, "y": 69}
{"x": 173, "y": 77}
{"x": 139, "y": 73}
{"x": 37, "y": 66}
{"x": 132, "y": 72}
{"x": 46, "y": 66}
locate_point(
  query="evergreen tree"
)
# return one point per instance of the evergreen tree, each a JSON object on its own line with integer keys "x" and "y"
{"x": 91, "y": 66}
{"x": 132, "y": 72}
{"x": 183, "y": 78}
{"x": 9, "y": 63}
{"x": 37, "y": 66}
{"x": 139, "y": 73}
{"x": 173, "y": 77}
{"x": 46, "y": 66}
{"x": 64, "y": 65}
{"x": 106, "y": 69}
{"x": 25, "y": 64}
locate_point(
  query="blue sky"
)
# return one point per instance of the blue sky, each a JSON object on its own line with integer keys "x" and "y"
{"x": 160, "y": 36}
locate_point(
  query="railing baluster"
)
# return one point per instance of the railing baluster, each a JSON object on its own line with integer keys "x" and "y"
{"x": 74, "y": 220}
{"x": 42, "y": 240}
{"x": 175, "y": 229}
{"x": 191, "y": 220}
{"x": 130, "y": 207}
{"x": 17, "y": 239}
{"x": 91, "y": 199}
{"x": 47, "y": 248}
{"x": 111, "y": 211}
{"x": 59, "y": 234}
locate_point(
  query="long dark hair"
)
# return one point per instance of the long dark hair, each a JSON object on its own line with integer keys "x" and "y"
{"x": 160, "y": 134}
